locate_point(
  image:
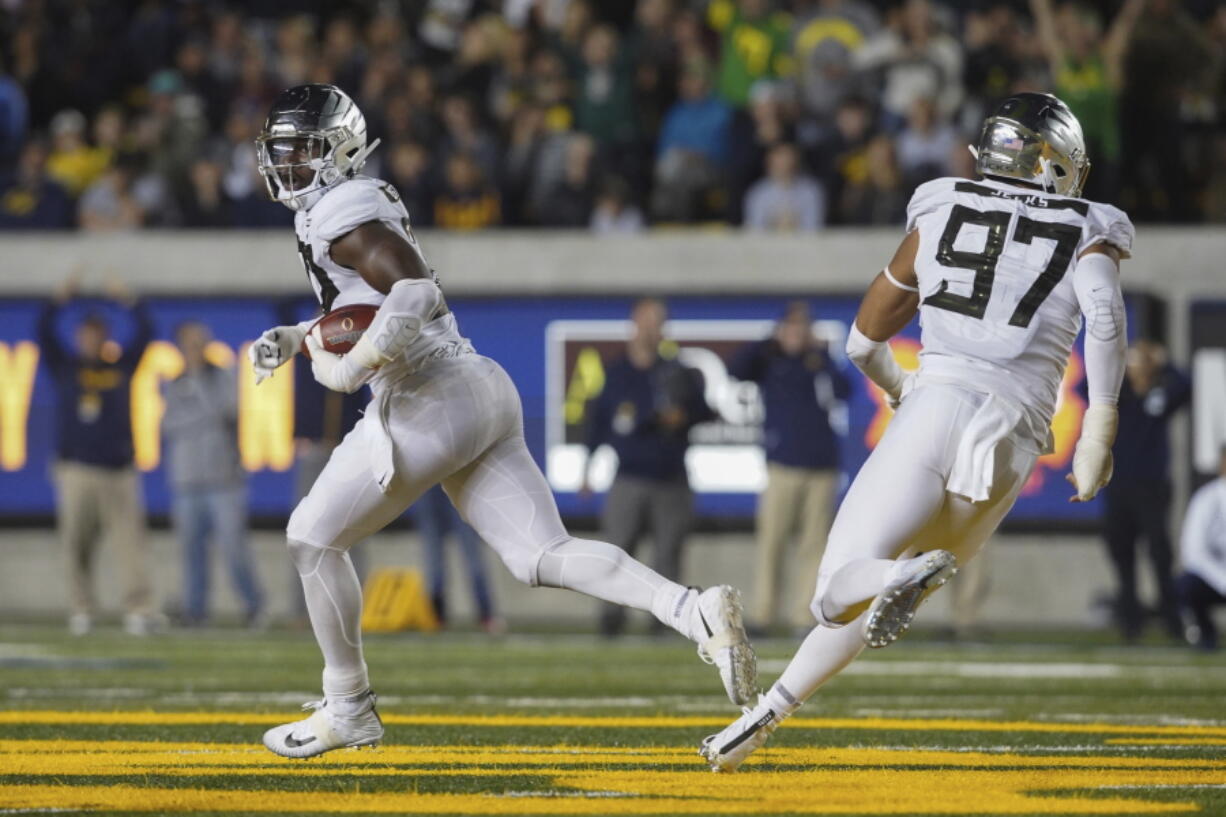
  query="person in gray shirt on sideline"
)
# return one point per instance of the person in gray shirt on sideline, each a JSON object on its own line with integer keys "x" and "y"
{"x": 207, "y": 480}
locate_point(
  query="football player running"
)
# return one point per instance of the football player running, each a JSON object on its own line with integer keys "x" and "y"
{"x": 1001, "y": 271}
{"x": 440, "y": 413}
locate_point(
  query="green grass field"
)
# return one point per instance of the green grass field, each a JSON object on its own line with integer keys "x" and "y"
{"x": 564, "y": 724}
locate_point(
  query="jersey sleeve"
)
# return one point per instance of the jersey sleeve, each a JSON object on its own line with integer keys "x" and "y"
{"x": 1107, "y": 224}
{"x": 346, "y": 207}
{"x": 926, "y": 199}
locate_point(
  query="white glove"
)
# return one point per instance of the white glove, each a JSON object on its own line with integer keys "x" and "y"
{"x": 1092, "y": 463}
{"x": 274, "y": 348}
{"x": 337, "y": 372}
{"x": 904, "y": 388}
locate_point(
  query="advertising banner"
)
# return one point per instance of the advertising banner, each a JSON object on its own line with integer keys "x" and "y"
{"x": 556, "y": 350}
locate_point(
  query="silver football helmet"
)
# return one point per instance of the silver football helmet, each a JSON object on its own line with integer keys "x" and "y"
{"x": 1034, "y": 138}
{"x": 314, "y": 137}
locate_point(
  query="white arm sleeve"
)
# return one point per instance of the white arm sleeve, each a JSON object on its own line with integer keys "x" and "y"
{"x": 1096, "y": 280}
{"x": 874, "y": 358}
{"x": 410, "y": 303}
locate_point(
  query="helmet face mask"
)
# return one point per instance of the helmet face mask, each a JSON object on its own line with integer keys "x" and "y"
{"x": 1034, "y": 139}
{"x": 314, "y": 137}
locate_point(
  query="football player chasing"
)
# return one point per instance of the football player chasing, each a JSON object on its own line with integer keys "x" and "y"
{"x": 1001, "y": 271}
{"x": 440, "y": 413}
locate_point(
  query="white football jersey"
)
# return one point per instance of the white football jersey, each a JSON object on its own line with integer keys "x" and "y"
{"x": 345, "y": 207}
{"x": 997, "y": 307}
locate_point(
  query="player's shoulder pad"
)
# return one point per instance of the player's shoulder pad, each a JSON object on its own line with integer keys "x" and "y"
{"x": 1111, "y": 225}
{"x": 349, "y": 205}
{"x": 928, "y": 197}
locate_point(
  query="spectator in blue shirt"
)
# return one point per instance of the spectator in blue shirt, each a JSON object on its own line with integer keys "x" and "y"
{"x": 649, "y": 403}
{"x": 799, "y": 387}
{"x": 30, "y": 199}
{"x": 97, "y": 485}
{"x": 693, "y": 147}
{"x": 1138, "y": 498}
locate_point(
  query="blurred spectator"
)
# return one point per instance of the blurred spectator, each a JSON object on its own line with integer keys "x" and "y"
{"x": 998, "y": 54}
{"x": 879, "y": 196}
{"x": 14, "y": 115}
{"x": 1138, "y": 497}
{"x": 463, "y": 134}
{"x": 827, "y": 35}
{"x": 752, "y": 134}
{"x": 30, "y": 199}
{"x": 109, "y": 203}
{"x": 73, "y": 162}
{"x": 1168, "y": 58}
{"x": 203, "y": 205}
{"x": 1087, "y": 72}
{"x": 839, "y": 155}
{"x": 755, "y": 45}
{"x": 652, "y": 51}
{"x": 569, "y": 203}
{"x": 551, "y": 89}
{"x": 174, "y": 129}
{"x": 604, "y": 103}
{"x": 925, "y": 145}
{"x": 436, "y": 518}
{"x": 692, "y": 148}
{"x": 1202, "y": 552}
{"x": 467, "y": 201}
{"x": 207, "y": 481}
{"x": 645, "y": 412}
{"x": 614, "y": 212}
{"x": 786, "y": 200}
{"x": 800, "y": 387}
{"x": 916, "y": 59}
{"x": 98, "y": 490}
{"x": 408, "y": 169}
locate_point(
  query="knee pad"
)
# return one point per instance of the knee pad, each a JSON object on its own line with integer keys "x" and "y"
{"x": 815, "y": 606}
{"x": 304, "y": 556}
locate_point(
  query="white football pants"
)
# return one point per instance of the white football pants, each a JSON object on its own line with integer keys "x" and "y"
{"x": 897, "y": 506}
{"x": 458, "y": 422}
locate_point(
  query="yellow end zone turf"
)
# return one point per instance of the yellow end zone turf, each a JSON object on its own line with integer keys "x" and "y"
{"x": 148, "y": 718}
{"x": 595, "y": 779}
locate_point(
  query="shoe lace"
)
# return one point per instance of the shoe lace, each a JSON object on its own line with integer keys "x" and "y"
{"x": 310, "y": 706}
{"x": 706, "y": 657}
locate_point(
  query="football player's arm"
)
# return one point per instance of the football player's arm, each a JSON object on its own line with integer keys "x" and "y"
{"x": 888, "y": 306}
{"x": 390, "y": 265}
{"x": 1096, "y": 281}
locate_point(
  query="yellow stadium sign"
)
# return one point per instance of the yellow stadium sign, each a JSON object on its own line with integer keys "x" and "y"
{"x": 265, "y": 417}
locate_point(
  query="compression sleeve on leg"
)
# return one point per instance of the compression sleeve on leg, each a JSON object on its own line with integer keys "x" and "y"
{"x": 409, "y": 305}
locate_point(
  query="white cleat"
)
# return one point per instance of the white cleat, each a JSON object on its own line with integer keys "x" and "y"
{"x": 911, "y": 581}
{"x": 717, "y": 625}
{"x": 326, "y": 730}
{"x": 728, "y": 749}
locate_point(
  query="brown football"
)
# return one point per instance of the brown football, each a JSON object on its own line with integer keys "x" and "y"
{"x": 338, "y": 330}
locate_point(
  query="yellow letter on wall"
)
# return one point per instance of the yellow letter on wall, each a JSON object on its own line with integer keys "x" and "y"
{"x": 161, "y": 361}
{"x": 265, "y": 417}
{"x": 18, "y": 368}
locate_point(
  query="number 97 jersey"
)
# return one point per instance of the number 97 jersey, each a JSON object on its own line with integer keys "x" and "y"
{"x": 995, "y": 268}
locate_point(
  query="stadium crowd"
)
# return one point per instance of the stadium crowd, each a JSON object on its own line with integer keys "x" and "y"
{"x": 609, "y": 115}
